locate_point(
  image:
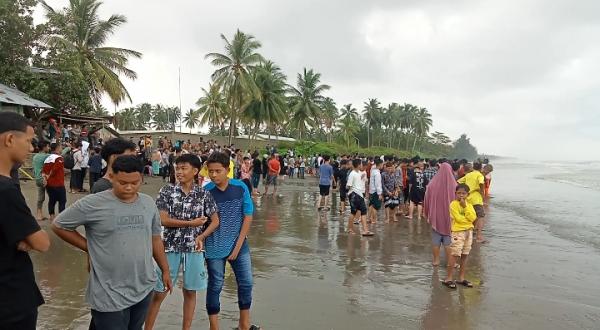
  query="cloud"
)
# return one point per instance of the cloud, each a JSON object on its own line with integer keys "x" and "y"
{"x": 519, "y": 77}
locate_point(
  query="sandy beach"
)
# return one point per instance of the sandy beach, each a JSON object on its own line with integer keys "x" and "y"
{"x": 310, "y": 274}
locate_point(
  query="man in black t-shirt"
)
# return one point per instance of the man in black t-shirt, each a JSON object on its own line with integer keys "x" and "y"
{"x": 112, "y": 149}
{"x": 19, "y": 231}
{"x": 257, "y": 170}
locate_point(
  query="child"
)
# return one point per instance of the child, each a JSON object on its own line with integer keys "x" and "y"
{"x": 342, "y": 178}
{"x": 418, "y": 182}
{"x": 375, "y": 190}
{"x": 475, "y": 180}
{"x": 356, "y": 187}
{"x": 462, "y": 215}
{"x": 184, "y": 208}
{"x": 391, "y": 191}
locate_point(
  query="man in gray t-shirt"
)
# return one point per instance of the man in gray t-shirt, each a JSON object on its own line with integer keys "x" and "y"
{"x": 122, "y": 230}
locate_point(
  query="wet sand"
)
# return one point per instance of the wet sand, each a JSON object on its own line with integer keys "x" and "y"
{"x": 309, "y": 274}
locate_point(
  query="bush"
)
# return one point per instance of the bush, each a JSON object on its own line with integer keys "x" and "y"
{"x": 306, "y": 148}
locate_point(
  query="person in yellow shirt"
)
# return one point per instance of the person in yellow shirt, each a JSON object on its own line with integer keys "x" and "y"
{"x": 462, "y": 215}
{"x": 476, "y": 182}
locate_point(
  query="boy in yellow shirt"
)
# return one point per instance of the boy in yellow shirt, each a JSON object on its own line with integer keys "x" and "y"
{"x": 462, "y": 215}
{"x": 476, "y": 182}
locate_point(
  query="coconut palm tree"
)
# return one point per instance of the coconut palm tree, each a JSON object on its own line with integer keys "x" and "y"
{"x": 348, "y": 127}
{"x": 329, "y": 116}
{"x": 422, "y": 123}
{"x": 127, "y": 119}
{"x": 372, "y": 115}
{"x": 81, "y": 33}
{"x": 164, "y": 118}
{"x": 212, "y": 109}
{"x": 191, "y": 119}
{"x": 306, "y": 100}
{"x": 233, "y": 74}
{"x": 144, "y": 114}
{"x": 348, "y": 111}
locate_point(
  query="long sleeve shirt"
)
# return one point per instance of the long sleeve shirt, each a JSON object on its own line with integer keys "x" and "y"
{"x": 462, "y": 217}
{"x": 375, "y": 183}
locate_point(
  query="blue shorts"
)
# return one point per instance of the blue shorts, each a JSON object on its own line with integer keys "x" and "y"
{"x": 195, "y": 277}
{"x": 437, "y": 238}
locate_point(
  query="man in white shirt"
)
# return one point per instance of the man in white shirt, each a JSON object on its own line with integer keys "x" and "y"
{"x": 375, "y": 190}
{"x": 356, "y": 188}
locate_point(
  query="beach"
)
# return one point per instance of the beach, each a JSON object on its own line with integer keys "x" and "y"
{"x": 538, "y": 270}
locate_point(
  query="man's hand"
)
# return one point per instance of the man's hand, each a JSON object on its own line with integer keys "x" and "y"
{"x": 234, "y": 254}
{"x": 166, "y": 279}
{"x": 89, "y": 263}
{"x": 23, "y": 246}
{"x": 198, "y": 222}
{"x": 200, "y": 243}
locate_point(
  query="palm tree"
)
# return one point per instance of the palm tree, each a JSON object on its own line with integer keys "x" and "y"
{"x": 348, "y": 111}
{"x": 212, "y": 109}
{"x": 269, "y": 108}
{"x": 144, "y": 114}
{"x": 191, "y": 119}
{"x": 82, "y": 34}
{"x": 329, "y": 116}
{"x": 233, "y": 73}
{"x": 348, "y": 127}
{"x": 407, "y": 119}
{"x": 127, "y": 119}
{"x": 372, "y": 115}
{"x": 164, "y": 118}
{"x": 422, "y": 124}
{"x": 306, "y": 100}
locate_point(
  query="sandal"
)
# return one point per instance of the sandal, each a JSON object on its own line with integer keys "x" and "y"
{"x": 252, "y": 327}
{"x": 449, "y": 284}
{"x": 465, "y": 283}
{"x": 368, "y": 234}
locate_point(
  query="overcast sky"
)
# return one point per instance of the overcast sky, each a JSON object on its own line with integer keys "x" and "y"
{"x": 521, "y": 78}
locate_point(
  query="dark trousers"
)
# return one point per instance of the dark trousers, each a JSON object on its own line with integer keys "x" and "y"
{"x": 131, "y": 318}
{"x": 26, "y": 321}
{"x": 93, "y": 178}
{"x": 82, "y": 177}
{"x": 56, "y": 195}
{"x": 74, "y": 182}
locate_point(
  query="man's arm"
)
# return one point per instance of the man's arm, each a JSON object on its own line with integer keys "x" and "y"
{"x": 72, "y": 237}
{"x": 158, "y": 252}
{"x": 240, "y": 241}
{"x": 167, "y": 221}
{"x": 38, "y": 241}
{"x": 214, "y": 224}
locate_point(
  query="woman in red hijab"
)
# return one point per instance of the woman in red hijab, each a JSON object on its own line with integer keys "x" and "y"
{"x": 440, "y": 193}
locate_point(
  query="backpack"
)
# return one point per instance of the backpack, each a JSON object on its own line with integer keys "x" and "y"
{"x": 69, "y": 160}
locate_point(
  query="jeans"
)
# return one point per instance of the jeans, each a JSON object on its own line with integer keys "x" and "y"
{"x": 255, "y": 180}
{"x": 131, "y": 318}
{"x": 56, "y": 195}
{"x": 301, "y": 173}
{"x": 74, "y": 182}
{"x": 242, "y": 268}
{"x": 82, "y": 177}
{"x": 93, "y": 178}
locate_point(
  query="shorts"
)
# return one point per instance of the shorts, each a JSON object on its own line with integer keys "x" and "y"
{"x": 343, "y": 194}
{"x": 357, "y": 203}
{"x": 375, "y": 201}
{"x": 390, "y": 202}
{"x": 405, "y": 192}
{"x": 417, "y": 196}
{"x": 479, "y": 211}
{"x": 324, "y": 189}
{"x": 437, "y": 238}
{"x": 461, "y": 242}
{"x": 272, "y": 180}
{"x": 195, "y": 277}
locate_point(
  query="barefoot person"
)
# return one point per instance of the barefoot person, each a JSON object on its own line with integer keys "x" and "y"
{"x": 20, "y": 233}
{"x": 462, "y": 214}
{"x": 54, "y": 177}
{"x": 184, "y": 208}
{"x": 440, "y": 193}
{"x": 356, "y": 189}
{"x": 342, "y": 179}
{"x": 375, "y": 190}
{"x": 325, "y": 179}
{"x": 417, "y": 191}
{"x": 273, "y": 171}
{"x": 122, "y": 229}
{"x": 392, "y": 188}
{"x": 37, "y": 163}
{"x": 228, "y": 243}
{"x": 476, "y": 181}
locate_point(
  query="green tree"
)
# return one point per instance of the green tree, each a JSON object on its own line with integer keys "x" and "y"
{"x": 348, "y": 111}
{"x": 462, "y": 148}
{"x": 233, "y": 74}
{"x": 81, "y": 34}
{"x": 164, "y": 118}
{"x": 306, "y": 100}
{"x": 348, "y": 127}
{"x": 212, "y": 109}
{"x": 127, "y": 119}
{"x": 145, "y": 111}
{"x": 329, "y": 116}
{"x": 372, "y": 114}
{"x": 191, "y": 119}
{"x": 421, "y": 125}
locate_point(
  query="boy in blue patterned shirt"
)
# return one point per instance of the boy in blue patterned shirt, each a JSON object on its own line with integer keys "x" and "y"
{"x": 184, "y": 209}
{"x": 228, "y": 242}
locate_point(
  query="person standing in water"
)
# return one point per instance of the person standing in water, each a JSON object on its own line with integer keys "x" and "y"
{"x": 476, "y": 181}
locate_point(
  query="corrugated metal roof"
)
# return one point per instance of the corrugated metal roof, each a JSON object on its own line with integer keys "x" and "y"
{"x": 15, "y": 96}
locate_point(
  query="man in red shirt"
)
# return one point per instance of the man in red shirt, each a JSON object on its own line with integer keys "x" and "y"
{"x": 274, "y": 169}
{"x": 53, "y": 173}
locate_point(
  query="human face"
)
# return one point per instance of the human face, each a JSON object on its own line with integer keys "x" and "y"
{"x": 461, "y": 194}
{"x": 185, "y": 172}
{"x": 18, "y": 144}
{"x": 126, "y": 185}
{"x": 217, "y": 173}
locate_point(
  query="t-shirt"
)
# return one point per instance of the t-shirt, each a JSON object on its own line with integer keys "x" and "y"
{"x": 256, "y": 166}
{"x": 275, "y": 165}
{"x": 231, "y": 169}
{"x": 325, "y": 174}
{"x": 95, "y": 164}
{"x": 233, "y": 204}
{"x": 355, "y": 183}
{"x": 55, "y": 167}
{"x": 38, "y": 163}
{"x": 418, "y": 180}
{"x": 375, "y": 185}
{"x": 473, "y": 179}
{"x": 18, "y": 291}
{"x": 197, "y": 203}
{"x": 342, "y": 178}
{"x": 462, "y": 218}
{"x": 119, "y": 239}
{"x": 101, "y": 185}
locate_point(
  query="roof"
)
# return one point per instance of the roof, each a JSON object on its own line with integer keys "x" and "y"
{"x": 34, "y": 69}
{"x": 146, "y": 132}
{"x": 275, "y": 137}
{"x": 86, "y": 119}
{"x": 15, "y": 96}
{"x": 109, "y": 129}
{"x": 248, "y": 137}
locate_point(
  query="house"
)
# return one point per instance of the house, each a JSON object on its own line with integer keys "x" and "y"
{"x": 12, "y": 99}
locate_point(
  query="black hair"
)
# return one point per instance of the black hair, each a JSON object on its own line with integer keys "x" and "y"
{"x": 43, "y": 144}
{"x": 455, "y": 166}
{"x": 462, "y": 186}
{"x": 53, "y": 146}
{"x": 190, "y": 159}
{"x": 356, "y": 162}
{"x": 433, "y": 162}
{"x": 219, "y": 158}
{"x": 378, "y": 161}
{"x": 477, "y": 166}
{"x": 344, "y": 162}
{"x": 97, "y": 150}
{"x": 12, "y": 121}
{"x": 127, "y": 164}
{"x": 326, "y": 158}
{"x": 116, "y": 146}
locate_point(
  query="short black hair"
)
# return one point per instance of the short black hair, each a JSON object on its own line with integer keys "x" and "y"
{"x": 378, "y": 161}
{"x": 477, "y": 166}
{"x": 455, "y": 166}
{"x": 53, "y": 146}
{"x": 462, "y": 186}
{"x": 43, "y": 144}
{"x": 116, "y": 146}
{"x": 218, "y": 157}
{"x": 344, "y": 162}
{"x": 127, "y": 164}
{"x": 12, "y": 121}
{"x": 190, "y": 159}
{"x": 356, "y": 162}
{"x": 433, "y": 162}
{"x": 326, "y": 158}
